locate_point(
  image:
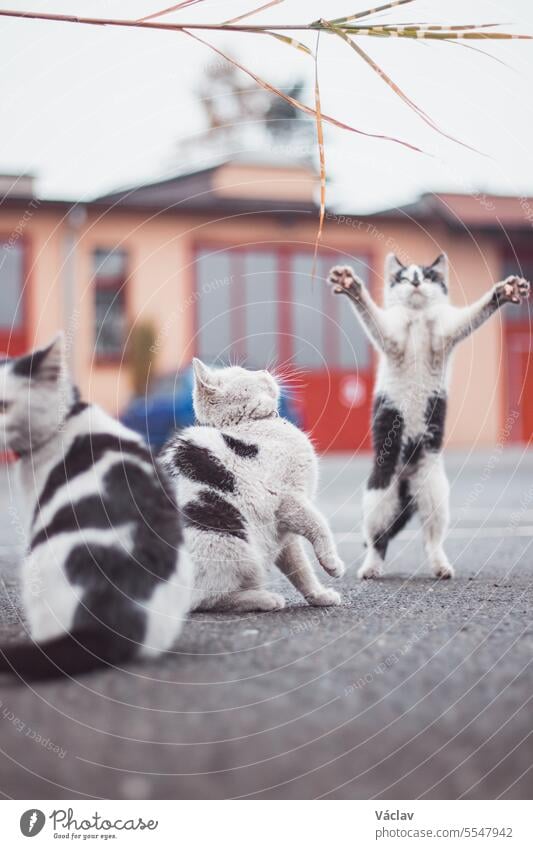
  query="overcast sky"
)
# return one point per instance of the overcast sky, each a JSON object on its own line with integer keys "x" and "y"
{"x": 88, "y": 109}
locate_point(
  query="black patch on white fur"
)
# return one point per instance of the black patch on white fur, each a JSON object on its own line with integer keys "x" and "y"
{"x": 413, "y": 451}
{"x": 406, "y": 508}
{"x": 435, "y": 276}
{"x": 387, "y": 430}
{"x": 89, "y": 512}
{"x": 124, "y": 499}
{"x": 78, "y": 406}
{"x": 109, "y": 624}
{"x": 242, "y": 449}
{"x": 435, "y": 416}
{"x": 211, "y": 512}
{"x": 31, "y": 366}
{"x": 397, "y": 278}
{"x": 112, "y": 577}
{"x": 200, "y": 465}
{"x": 84, "y": 452}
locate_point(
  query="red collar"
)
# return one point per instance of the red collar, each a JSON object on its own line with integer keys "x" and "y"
{"x": 9, "y": 457}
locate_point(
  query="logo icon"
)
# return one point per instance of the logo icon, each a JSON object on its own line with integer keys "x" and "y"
{"x": 32, "y": 822}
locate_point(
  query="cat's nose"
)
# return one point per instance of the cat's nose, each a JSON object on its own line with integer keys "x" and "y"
{"x": 416, "y": 282}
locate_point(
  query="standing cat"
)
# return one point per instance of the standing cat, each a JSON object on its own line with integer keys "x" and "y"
{"x": 246, "y": 480}
{"x": 415, "y": 335}
{"x": 102, "y": 581}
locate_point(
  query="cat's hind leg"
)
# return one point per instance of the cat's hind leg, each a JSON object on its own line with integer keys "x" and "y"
{"x": 431, "y": 489}
{"x": 385, "y": 512}
{"x": 295, "y": 564}
{"x": 298, "y": 515}
{"x": 228, "y": 574}
{"x": 382, "y": 502}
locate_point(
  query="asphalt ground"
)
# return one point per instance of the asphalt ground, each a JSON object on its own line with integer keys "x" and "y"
{"x": 413, "y": 688}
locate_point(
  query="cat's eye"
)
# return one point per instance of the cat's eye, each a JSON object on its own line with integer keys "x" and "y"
{"x": 4, "y": 406}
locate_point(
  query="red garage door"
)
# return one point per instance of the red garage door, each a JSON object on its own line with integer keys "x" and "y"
{"x": 260, "y": 306}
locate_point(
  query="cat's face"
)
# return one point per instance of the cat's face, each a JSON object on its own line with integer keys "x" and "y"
{"x": 33, "y": 392}
{"x": 416, "y": 286}
{"x": 233, "y": 395}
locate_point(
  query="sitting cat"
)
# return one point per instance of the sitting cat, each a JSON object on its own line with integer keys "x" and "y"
{"x": 102, "y": 581}
{"x": 246, "y": 480}
{"x": 415, "y": 335}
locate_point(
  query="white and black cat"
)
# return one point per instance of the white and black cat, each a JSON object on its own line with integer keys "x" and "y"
{"x": 102, "y": 581}
{"x": 415, "y": 335}
{"x": 246, "y": 482}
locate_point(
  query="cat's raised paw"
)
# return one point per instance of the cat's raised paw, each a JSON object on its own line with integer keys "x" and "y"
{"x": 324, "y": 598}
{"x": 344, "y": 281}
{"x": 513, "y": 289}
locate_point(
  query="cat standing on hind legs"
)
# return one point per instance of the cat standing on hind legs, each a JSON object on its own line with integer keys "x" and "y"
{"x": 415, "y": 334}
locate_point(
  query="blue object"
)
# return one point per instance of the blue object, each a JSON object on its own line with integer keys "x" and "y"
{"x": 168, "y": 407}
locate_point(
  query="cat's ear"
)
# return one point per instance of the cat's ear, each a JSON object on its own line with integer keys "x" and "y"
{"x": 392, "y": 266}
{"x": 441, "y": 265}
{"x": 44, "y": 364}
{"x": 203, "y": 375}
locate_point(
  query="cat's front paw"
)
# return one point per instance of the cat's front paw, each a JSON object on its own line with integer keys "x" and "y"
{"x": 344, "y": 281}
{"x": 369, "y": 571}
{"x": 333, "y": 565}
{"x": 512, "y": 290}
{"x": 324, "y": 598}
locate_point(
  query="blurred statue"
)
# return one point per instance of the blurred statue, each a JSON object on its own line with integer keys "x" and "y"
{"x": 242, "y": 118}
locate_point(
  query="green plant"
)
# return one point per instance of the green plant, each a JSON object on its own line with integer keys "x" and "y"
{"x": 141, "y": 344}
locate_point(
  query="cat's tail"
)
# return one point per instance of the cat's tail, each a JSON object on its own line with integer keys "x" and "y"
{"x": 68, "y": 655}
{"x": 109, "y": 631}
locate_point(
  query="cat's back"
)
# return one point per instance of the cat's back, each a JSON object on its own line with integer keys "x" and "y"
{"x": 99, "y": 475}
{"x": 254, "y": 457}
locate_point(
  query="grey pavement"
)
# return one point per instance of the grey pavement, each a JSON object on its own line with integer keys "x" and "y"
{"x": 413, "y": 688}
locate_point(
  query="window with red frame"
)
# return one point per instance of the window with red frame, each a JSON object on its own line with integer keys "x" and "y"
{"x": 260, "y": 306}
{"x": 109, "y": 270}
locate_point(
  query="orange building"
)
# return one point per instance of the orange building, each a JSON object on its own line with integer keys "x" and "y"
{"x": 220, "y": 263}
